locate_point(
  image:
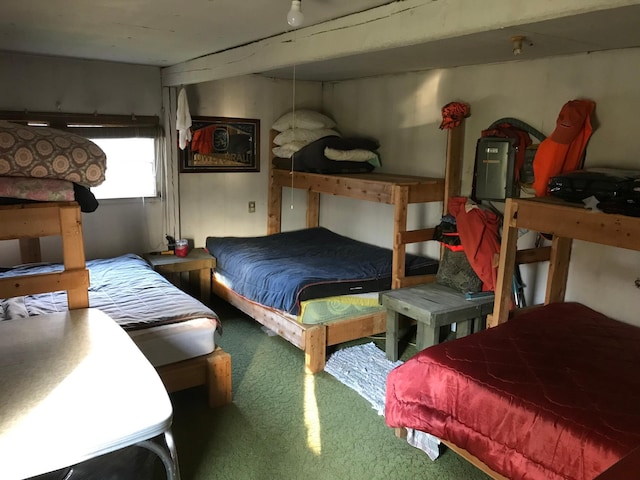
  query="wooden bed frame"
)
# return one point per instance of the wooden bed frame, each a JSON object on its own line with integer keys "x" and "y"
{"x": 565, "y": 222}
{"x": 396, "y": 190}
{"x": 29, "y": 222}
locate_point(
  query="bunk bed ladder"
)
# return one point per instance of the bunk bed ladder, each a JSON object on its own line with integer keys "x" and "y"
{"x": 34, "y": 220}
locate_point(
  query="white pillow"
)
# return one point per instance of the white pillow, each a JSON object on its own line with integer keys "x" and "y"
{"x": 285, "y": 151}
{"x": 355, "y": 155}
{"x": 303, "y": 135}
{"x": 308, "y": 119}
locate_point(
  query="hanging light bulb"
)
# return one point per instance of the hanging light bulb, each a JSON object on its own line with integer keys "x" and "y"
{"x": 295, "y": 17}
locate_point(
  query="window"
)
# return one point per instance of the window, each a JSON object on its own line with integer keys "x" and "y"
{"x": 131, "y": 158}
{"x": 133, "y": 147}
{"x": 131, "y": 170}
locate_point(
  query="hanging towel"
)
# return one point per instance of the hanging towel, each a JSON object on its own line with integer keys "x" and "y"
{"x": 183, "y": 122}
{"x": 563, "y": 151}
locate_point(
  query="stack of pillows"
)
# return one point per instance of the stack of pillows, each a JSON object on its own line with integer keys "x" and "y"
{"x": 309, "y": 142}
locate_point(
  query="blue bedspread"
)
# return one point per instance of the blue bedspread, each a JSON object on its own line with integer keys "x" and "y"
{"x": 282, "y": 269}
{"x": 126, "y": 288}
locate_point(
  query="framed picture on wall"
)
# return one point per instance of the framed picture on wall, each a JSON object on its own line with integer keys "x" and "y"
{"x": 221, "y": 144}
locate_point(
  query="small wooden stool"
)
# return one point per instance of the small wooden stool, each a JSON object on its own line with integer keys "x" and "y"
{"x": 432, "y": 306}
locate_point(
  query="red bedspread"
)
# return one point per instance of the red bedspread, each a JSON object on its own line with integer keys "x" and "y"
{"x": 553, "y": 393}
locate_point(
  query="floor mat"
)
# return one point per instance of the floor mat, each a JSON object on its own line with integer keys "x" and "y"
{"x": 364, "y": 368}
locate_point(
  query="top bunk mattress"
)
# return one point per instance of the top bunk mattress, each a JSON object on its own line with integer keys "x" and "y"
{"x": 126, "y": 288}
{"x": 552, "y": 394}
{"x": 283, "y": 269}
{"x": 43, "y": 152}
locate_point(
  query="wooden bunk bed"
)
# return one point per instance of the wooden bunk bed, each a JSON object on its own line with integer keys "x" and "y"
{"x": 28, "y": 222}
{"x": 565, "y": 222}
{"x": 396, "y": 190}
{"x": 28, "y": 149}
{"x": 592, "y": 440}
{"x": 63, "y": 353}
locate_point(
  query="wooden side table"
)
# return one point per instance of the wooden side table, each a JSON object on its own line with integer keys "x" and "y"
{"x": 432, "y": 306}
{"x": 198, "y": 263}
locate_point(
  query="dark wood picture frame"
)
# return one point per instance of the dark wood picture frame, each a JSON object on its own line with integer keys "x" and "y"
{"x": 221, "y": 144}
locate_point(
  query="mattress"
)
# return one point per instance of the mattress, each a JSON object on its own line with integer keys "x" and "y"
{"x": 166, "y": 323}
{"x": 328, "y": 309}
{"x": 176, "y": 342}
{"x": 553, "y": 393}
{"x": 284, "y": 269}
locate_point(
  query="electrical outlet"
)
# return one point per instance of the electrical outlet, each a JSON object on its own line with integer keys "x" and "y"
{"x": 252, "y": 207}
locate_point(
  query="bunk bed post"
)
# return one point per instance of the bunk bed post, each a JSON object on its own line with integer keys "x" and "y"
{"x": 315, "y": 348}
{"x": 453, "y": 167}
{"x": 503, "y": 301}
{"x": 274, "y": 209}
{"x": 73, "y": 252}
{"x": 558, "y": 269}
{"x": 400, "y": 205}
{"x": 313, "y": 209}
{"x": 274, "y": 199}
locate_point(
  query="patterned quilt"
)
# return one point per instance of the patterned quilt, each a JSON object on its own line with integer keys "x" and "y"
{"x": 42, "y": 152}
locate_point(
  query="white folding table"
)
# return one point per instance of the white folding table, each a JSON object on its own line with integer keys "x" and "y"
{"x": 74, "y": 386}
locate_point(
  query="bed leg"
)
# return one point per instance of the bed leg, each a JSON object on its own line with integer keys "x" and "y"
{"x": 400, "y": 432}
{"x": 219, "y": 378}
{"x": 315, "y": 349}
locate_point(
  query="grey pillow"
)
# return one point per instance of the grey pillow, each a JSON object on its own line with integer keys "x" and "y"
{"x": 455, "y": 272}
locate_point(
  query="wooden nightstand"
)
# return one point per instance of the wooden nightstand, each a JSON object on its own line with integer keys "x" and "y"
{"x": 198, "y": 263}
{"x": 431, "y": 306}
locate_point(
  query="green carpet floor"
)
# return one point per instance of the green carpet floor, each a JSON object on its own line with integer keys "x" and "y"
{"x": 285, "y": 425}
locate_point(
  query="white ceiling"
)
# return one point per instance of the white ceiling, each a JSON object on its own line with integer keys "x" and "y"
{"x": 583, "y": 32}
{"x": 153, "y": 32}
{"x": 173, "y": 32}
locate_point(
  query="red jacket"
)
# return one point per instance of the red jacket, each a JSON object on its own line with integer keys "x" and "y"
{"x": 479, "y": 232}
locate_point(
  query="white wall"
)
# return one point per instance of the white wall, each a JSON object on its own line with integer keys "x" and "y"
{"x": 216, "y": 204}
{"x": 47, "y": 84}
{"x": 403, "y": 111}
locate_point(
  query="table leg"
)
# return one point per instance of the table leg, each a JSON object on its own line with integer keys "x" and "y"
{"x": 202, "y": 280}
{"x": 463, "y": 328}
{"x": 166, "y": 452}
{"x": 426, "y": 336}
{"x": 479, "y": 324}
{"x": 205, "y": 285}
{"x": 391, "y": 343}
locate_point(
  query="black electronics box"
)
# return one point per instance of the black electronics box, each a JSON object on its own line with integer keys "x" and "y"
{"x": 494, "y": 177}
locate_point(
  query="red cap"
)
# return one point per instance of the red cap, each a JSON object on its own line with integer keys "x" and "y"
{"x": 571, "y": 119}
{"x": 453, "y": 113}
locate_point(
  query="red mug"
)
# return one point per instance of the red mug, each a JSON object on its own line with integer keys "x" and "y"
{"x": 182, "y": 248}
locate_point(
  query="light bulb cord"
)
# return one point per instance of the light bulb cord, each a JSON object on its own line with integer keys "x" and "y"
{"x": 293, "y": 117}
